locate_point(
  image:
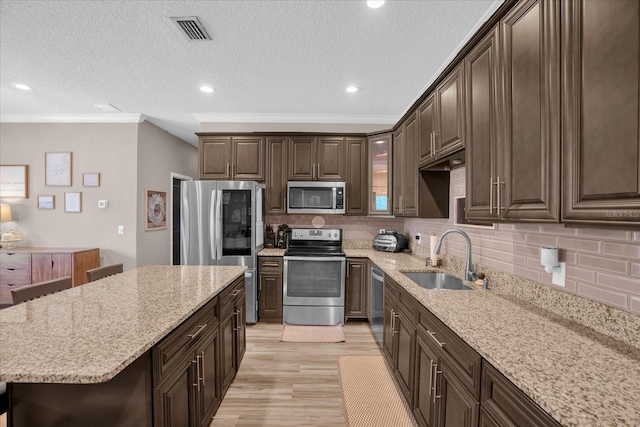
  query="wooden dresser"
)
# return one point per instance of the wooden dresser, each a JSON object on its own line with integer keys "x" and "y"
{"x": 24, "y": 266}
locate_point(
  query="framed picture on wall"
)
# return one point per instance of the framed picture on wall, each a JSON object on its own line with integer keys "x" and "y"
{"x": 14, "y": 181}
{"x": 57, "y": 168}
{"x": 46, "y": 202}
{"x": 155, "y": 209}
{"x": 73, "y": 202}
{"x": 91, "y": 179}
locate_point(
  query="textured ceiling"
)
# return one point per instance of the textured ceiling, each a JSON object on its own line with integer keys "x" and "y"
{"x": 274, "y": 65}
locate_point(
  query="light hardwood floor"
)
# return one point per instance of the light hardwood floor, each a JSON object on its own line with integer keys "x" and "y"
{"x": 290, "y": 384}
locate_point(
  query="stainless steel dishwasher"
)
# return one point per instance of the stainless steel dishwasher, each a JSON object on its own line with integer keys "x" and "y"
{"x": 377, "y": 302}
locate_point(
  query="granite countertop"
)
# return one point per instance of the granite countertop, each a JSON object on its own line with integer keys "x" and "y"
{"x": 90, "y": 333}
{"x": 581, "y": 377}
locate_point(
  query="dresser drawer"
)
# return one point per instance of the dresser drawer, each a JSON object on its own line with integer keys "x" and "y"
{"x": 15, "y": 260}
{"x": 169, "y": 352}
{"x": 15, "y": 276}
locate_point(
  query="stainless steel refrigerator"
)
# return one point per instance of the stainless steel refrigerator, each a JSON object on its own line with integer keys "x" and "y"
{"x": 222, "y": 223}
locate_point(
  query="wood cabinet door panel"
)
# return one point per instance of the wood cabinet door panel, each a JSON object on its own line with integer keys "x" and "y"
{"x": 302, "y": 158}
{"x": 355, "y": 304}
{"x": 62, "y": 265}
{"x": 424, "y": 407}
{"x": 426, "y": 115}
{"x": 41, "y": 268}
{"x": 531, "y": 82}
{"x": 410, "y": 188}
{"x": 276, "y": 180}
{"x": 601, "y": 117}
{"x": 387, "y": 332}
{"x": 404, "y": 350}
{"x": 240, "y": 330}
{"x": 215, "y": 157}
{"x": 248, "y": 159}
{"x": 210, "y": 397}
{"x": 449, "y": 116}
{"x": 175, "y": 399}
{"x": 482, "y": 136}
{"x": 356, "y": 182}
{"x": 270, "y": 288}
{"x": 330, "y": 159}
{"x": 227, "y": 351}
{"x": 459, "y": 407}
{"x": 398, "y": 171}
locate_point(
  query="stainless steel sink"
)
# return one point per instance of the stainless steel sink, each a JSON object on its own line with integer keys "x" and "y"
{"x": 437, "y": 281}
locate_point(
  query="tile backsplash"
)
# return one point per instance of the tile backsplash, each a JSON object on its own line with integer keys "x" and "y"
{"x": 602, "y": 264}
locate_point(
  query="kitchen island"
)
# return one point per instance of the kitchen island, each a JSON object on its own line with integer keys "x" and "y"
{"x": 95, "y": 342}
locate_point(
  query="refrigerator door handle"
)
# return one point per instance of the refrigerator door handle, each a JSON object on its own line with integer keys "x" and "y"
{"x": 218, "y": 236}
{"x": 212, "y": 224}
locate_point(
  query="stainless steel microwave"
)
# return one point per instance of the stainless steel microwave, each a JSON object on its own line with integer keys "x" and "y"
{"x": 315, "y": 197}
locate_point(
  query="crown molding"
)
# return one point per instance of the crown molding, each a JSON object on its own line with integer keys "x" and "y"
{"x": 296, "y": 118}
{"x": 73, "y": 118}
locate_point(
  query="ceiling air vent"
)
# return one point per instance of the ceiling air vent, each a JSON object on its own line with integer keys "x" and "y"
{"x": 191, "y": 27}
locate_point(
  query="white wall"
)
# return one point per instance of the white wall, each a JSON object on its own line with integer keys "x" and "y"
{"x": 113, "y": 151}
{"x": 159, "y": 154}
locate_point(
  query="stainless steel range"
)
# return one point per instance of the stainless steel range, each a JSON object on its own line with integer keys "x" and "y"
{"x": 314, "y": 276}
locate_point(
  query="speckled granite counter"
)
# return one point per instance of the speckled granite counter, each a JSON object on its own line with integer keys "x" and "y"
{"x": 579, "y": 376}
{"x": 90, "y": 333}
{"x": 271, "y": 252}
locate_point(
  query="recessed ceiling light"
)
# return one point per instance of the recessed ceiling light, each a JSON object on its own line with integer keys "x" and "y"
{"x": 22, "y": 87}
{"x": 374, "y": 4}
{"x": 352, "y": 89}
{"x": 206, "y": 89}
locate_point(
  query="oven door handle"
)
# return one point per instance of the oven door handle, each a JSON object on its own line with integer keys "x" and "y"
{"x": 313, "y": 258}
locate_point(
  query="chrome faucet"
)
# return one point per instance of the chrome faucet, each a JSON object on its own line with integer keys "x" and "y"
{"x": 470, "y": 273}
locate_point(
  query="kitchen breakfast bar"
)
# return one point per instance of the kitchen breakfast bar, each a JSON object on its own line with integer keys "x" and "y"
{"x": 122, "y": 350}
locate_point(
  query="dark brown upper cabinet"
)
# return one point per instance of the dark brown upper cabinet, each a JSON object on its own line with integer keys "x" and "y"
{"x": 231, "y": 158}
{"x": 356, "y": 181}
{"x": 482, "y": 129}
{"x": 441, "y": 120}
{"x": 276, "y": 182}
{"x": 316, "y": 159}
{"x": 513, "y": 118}
{"x": 601, "y": 117}
{"x": 405, "y": 168}
{"x": 380, "y": 174}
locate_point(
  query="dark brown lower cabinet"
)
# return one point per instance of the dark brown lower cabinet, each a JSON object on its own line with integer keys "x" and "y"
{"x": 399, "y": 340}
{"x": 270, "y": 289}
{"x": 425, "y": 403}
{"x": 356, "y": 289}
{"x": 486, "y": 420}
{"x": 232, "y": 332}
{"x": 458, "y": 407}
{"x": 508, "y": 405}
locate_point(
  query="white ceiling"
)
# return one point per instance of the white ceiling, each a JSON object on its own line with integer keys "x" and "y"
{"x": 274, "y": 65}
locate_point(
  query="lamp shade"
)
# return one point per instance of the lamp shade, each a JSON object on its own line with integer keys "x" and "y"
{"x": 5, "y": 213}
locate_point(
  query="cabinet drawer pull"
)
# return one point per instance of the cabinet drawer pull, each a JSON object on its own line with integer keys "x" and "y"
{"x": 435, "y": 386}
{"x": 270, "y": 264}
{"x": 11, "y": 269}
{"x": 196, "y": 333}
{"x": 202, "y": 362}
{"x": 236, "y": 292}
{"x": 228, "y": 171}
{"x": 433, "y": 335}
{"x": 431, "y": 378}
{"x": 490, "y": 195}
{"x": 197, "y": 378}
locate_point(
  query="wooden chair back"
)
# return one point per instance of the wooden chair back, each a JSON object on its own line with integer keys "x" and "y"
{"x": 104, "y": 271}
{"x": 40, "y": 289}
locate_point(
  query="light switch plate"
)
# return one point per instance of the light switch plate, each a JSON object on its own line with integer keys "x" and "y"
{"x": 121, "y": 229}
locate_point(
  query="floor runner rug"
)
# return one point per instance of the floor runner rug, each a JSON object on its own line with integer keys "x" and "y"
{"x": 371, "y": 397}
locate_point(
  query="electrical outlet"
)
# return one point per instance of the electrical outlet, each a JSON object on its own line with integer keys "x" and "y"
{"x": 381, "y": 231}
{"x": 419, "y": 237}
